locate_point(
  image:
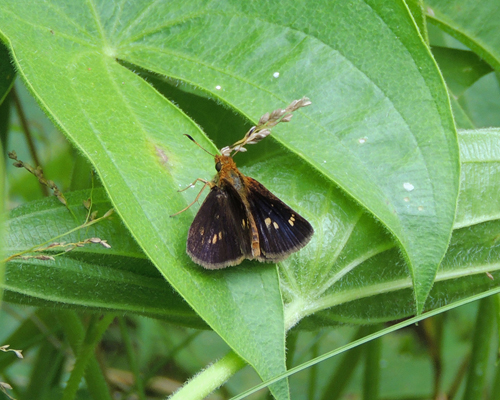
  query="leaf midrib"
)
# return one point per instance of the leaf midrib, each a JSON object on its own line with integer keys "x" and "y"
{"x": 381, "y": 288}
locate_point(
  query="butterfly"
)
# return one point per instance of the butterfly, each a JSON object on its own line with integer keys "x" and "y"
{"x": 241, "y": 219}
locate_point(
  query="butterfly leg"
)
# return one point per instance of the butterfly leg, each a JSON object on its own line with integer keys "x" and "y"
{"x": 194, "y": 183}
{"x": 207, "y": 183}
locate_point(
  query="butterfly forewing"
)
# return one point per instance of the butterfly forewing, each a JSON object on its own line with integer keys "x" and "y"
{"x": 281, "y": 229}
{"x": 219, "y": 235}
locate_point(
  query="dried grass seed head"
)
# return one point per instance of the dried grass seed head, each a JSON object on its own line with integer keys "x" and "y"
{"x": 263, "y": 128}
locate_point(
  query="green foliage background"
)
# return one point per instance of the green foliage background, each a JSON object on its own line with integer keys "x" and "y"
{"x": 405, "y": 209}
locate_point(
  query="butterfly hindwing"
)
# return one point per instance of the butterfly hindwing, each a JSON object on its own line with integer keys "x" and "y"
{"x": 219, "y": 235}
{"x": 281, "y": 229}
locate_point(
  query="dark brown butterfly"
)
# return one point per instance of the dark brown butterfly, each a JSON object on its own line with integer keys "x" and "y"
{"x": 240, "y": 219}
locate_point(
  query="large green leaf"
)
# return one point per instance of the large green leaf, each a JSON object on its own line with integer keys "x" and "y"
{"x": 380, "y": 128}
{"x": 363, "y": 132}
{"x": 116, "y": 117}
{"x": 366, "y": 261}
{"x": 240, "y": 71}
{"x": 366, "y": 274}
{"x": 380, "y": 277}
{"x": 116, "y": 279}
{"x": 474, "y": 24}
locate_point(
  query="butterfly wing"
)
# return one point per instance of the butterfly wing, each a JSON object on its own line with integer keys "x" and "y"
{"x": 282, "y": 230}
{"x": 219, "y": 235}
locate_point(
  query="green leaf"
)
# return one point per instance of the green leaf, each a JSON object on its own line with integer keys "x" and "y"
{"x": 482, "y": 101}
{"x": 461, "y": 68}
{"x": 480, "y": 182}
{"x": 7, "y": 73}
{"x": 6, "y": 80}
{"x": 474, "y": 26}
{"x": 363, "y": 258}
{"x": 370, "y": 337}
{"x": 2, "y": 222}
{"x": 345, "y": 161}
{"x": 358, "y": 135}
{"x": 364, "y": 134}
{"x": 462, "y": 120}
{"x": 416, "y": 8}
{"x": 360, "y": 257}
{"x": 116, "y": 279}
{"x": 115, "y": 113}
{"x": 28, "y": 335}
{"x": 380, "y": 277}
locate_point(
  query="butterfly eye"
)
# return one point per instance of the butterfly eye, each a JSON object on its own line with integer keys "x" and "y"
{"x": 218, "y": 166}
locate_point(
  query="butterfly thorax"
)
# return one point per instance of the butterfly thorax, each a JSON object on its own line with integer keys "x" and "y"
{"x": 228, "y": 172}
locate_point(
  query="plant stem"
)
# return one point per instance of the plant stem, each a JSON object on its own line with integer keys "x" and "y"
{"x": 210, "y": 379}
{"x": 31, "y": 249}
{"x": 27, "y": 134}
{"x": 74, "y": 332}
{"x": 478, "y": 366}
{"x": 94, "y": 333}
{"x": 344, "y": 371}
{"x": 132, "y": 359}
{"x": 371, "y": 379}
{"x": 366, "y": 339}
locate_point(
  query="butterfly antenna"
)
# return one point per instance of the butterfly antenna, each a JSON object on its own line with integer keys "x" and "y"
{"x": 196, "y": 143}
